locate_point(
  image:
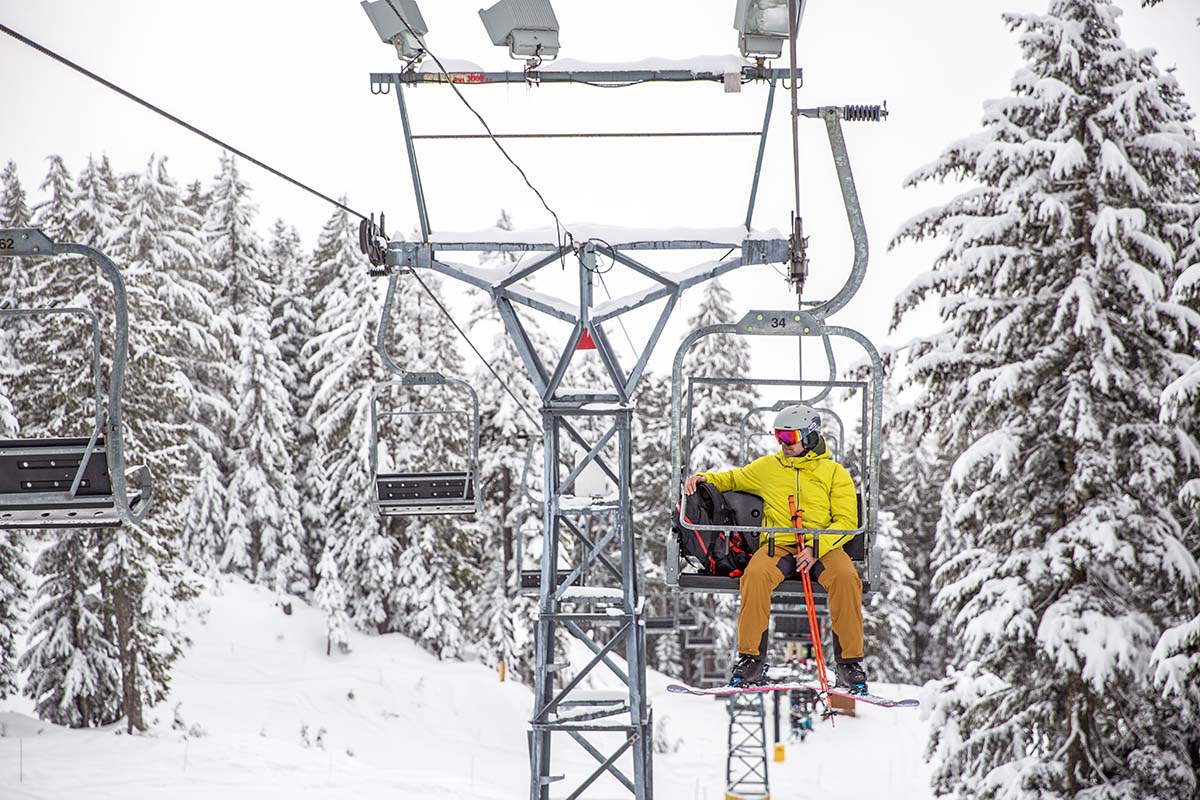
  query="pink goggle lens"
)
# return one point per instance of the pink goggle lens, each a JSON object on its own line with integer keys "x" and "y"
{"x": 787, "y": 437}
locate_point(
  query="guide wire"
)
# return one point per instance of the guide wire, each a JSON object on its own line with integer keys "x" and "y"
{"x": 166, "y": 114}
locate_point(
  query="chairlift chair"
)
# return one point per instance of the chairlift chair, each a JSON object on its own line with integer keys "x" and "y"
{"x": 426, "y": 493}
{"x": 808, "y": 320}
{"x": 422, "y": 493}
{"x": 74, "y": 482}
{"x": 869, "y": 390}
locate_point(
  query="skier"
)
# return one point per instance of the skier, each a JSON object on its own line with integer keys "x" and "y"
{"x": 801, "y": 487}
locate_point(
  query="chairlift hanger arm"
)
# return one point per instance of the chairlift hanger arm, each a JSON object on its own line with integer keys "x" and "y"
{"x": 833, "y": 115}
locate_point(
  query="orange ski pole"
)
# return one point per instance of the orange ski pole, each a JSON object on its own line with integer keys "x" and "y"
{"x": 810, "y": 605}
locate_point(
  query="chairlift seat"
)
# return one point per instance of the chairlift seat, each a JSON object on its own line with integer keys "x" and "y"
{"x": 661, "y": 625}
{"x": 36, "y": 477}
{"x": 401, "y": 494}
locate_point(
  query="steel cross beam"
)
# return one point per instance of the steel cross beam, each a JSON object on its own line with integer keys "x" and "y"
{"x": 382, "y": 82}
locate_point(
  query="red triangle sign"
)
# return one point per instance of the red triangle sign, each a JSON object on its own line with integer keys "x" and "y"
{"x": 585, "y": 341}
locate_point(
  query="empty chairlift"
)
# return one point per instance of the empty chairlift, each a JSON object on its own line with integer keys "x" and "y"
{"x": 425, "y": 492}
{"x": 70, "y": 482}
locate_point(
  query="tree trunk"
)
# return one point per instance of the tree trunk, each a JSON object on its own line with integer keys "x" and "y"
{"x": 125, "y": 600}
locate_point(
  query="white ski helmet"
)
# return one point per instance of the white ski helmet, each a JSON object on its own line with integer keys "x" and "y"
{"x": 806, "y": 420}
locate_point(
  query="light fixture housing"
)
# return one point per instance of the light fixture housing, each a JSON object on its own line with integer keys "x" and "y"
{"x": 763, "y": 25}
{"x": 391, "y": 27}
{"x": 528, "y": 28}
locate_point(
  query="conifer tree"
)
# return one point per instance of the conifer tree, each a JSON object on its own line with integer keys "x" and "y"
{"x": 139, "y": 569}
{"x": 263, "y": 493}
{"x": 14, "y": 213}
{"x": 291, "y": 328}
{"x": 74, "y": 670}
{"x": 237, "y": 252}
{"x": 344, "y": 367}
{"x": 1060, "y": 566}
{"x": 911, "y": 490}
{"x": 207, "y": 366}
{"x": 330, "y": 597}
{"x": 16, "y": 333}
{"x": 13, "y": 590}
{"x": 1177, "y": 654}
{"x": 58, "y": 399}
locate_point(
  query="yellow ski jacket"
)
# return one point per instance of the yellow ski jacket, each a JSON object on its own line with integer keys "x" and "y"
{"x": 824, "y": 493}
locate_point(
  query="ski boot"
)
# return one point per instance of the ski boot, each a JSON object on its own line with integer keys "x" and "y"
{"x": 748, "y": 671}
{"x": 852, "y": 677}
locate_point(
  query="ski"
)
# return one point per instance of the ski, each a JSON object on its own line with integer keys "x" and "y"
{"x": 720, "y": 691}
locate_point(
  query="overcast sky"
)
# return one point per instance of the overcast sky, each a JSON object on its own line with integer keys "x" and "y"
{"x": 288, "y": 82}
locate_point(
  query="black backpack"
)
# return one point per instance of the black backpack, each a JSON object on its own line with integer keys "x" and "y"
{"x": 724, "y": 552}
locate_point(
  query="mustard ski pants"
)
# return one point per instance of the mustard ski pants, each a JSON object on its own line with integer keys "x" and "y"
{"x": 835, "y": 572}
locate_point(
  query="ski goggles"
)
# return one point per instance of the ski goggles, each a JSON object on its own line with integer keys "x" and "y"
{"x": 787, "y": 437}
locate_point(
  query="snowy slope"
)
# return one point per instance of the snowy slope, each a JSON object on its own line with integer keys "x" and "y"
{"x": 414, "y": 727}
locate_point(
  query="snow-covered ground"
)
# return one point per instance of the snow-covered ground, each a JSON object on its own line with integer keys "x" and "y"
{"x": 391, "y": 721}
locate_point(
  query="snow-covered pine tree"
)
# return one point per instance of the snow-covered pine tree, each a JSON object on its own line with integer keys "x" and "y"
{"x": 15, "y": 292}
{"x": 344, "y": 366}
{"x": 257, "y": 462}
{"x": 262, "y": 494}
{"x": 14, "y": 213}
{"x": 58, "y": 396}
{"x": 197, "y": 199}
{"x": 74, "y": 671}
{"x": 13, "y": 589}
{"x": 1060, "y": 564}
{"x": 330, "y": 597}
{"x": 205, "y": 359}
{"x": 911, "y": 491}
{"x": 291, "y": 328}
{"x": 140, "y": 570}
{"x": 1177, "y": 654}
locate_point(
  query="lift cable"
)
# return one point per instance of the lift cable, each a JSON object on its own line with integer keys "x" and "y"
{"x": 146, "y": 104}
{"x": 110, "y": 85}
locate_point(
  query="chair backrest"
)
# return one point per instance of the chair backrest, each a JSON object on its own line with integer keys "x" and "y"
{"x": 49, "y": 465}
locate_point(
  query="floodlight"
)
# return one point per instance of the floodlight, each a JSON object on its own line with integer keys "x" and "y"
{"x": 391, "y": 28}
{"x": 527, "y": 27}
{"x": 764, "y": 26}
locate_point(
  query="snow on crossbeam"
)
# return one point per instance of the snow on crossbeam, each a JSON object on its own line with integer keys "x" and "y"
{"x": 715, "y": 65}
{"x": 623, "y": 238}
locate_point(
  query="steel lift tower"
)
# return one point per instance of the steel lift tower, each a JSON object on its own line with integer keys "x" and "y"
{"x": 596, "y": 600}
